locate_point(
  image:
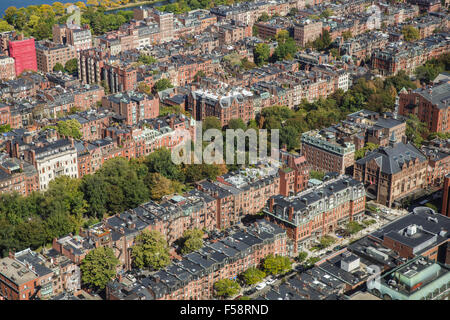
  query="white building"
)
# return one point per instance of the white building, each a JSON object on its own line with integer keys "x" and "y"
{"x": 54, "y": 160}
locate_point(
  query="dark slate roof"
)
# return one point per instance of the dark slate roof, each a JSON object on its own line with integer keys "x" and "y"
{"x": 391, "y": 159}
{"x": 438, "y": 95}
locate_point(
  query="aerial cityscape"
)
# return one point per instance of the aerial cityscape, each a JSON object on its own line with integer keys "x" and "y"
{"x": 225, "y": 150}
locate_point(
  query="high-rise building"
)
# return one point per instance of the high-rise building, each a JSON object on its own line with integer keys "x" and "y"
{"x": 24, "y": 53}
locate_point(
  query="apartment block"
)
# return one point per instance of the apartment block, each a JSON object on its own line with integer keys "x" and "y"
{"x": 313, "y": 213}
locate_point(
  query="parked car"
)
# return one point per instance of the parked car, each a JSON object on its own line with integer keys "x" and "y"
{"x": 270, "y": 281}
{"x": 261, "y": 286}
{"x": 249, "y": 292}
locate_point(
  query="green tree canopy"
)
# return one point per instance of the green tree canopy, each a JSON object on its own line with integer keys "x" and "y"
{"x": 161, "y": 85}
{"x": 72, "y": 66}
{"x": 276, "y": 264}
{"x": 226, "y": 288}
{"x": 69, "y": 128}
{"x": 253, "y": 276}
{"x": 261, "y": 54}
{"x": 211, "y": 123}
{"x": 98, "y": 267}
{"x": 150, "y": 251}
{"x": 58, "y": 67}
{"x": 192, "y": 241}
{"x": 410, "y": 33}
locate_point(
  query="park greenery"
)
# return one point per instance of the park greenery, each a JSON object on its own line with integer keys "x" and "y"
{"x": 410, "y": 33}
{"x": 37, "y": 20}
{"x": 72, "y": 203}
{"x": 302, "y": 256}
{"x": 354, "y": 227}
{"x": 432, "y": 68}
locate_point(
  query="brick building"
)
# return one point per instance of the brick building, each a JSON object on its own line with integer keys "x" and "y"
{"x": 313, "y": 213}
{"x": 132, "y": 106}
{"x": 393, "y": 172}
{"x": 430, "y": 105}
{"x": 419, "y": 233}
{"x": 307, "y": 31}
{"x": 223, "y": 259}
{"x": 326, "y": 153}
{"x": 225, "y": 105}
{"x": 294, "y": 176}
{"x": 446, "y": 196}
{"x": 48, "y": 54}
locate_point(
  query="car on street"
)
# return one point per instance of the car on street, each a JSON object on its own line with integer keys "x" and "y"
{"x": 261, "y": 286}
{"x": 270, "y": 281}
{"x": 251, "y": 291}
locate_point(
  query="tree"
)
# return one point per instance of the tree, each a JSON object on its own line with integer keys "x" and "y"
{"x": 124, "y": 188}
{"x": 416, "y": 130}
{"x": 5, "y": 26}
{"x": 347, "y": 35}
{"x": 105, "y": 86}
{"x": 226, "y": 288}
{"x": 144, "y": 88}
{"x": 98, "y": 267}
{"x": 264, "y": 17}
{"x": 211, "y": 123}
{"x": 58, "y": 67}
{"x": 326, "y": 241}
{"x": 94, "y": 189}
{"x": 200, "y": 74}
{"x": 252, "y": 276}
{"x": 286, "y": 48}
{"x": 290, "y": 137}
{"x": 261, "y": 54}
{"x": 150, "y": 251}
{"x": 410, "y": 33}
{"x": 192, "y": 241}
{"x": 147, "y": 60}
{"x": 361, "y": 153}
{"x": 158, "y": 185}
{"x": 354, "y": 227}
{"x": 160, "y": 161}
{"x": 5, "y": 128}
{"x": 161, "y": 85}
{"x": 72, "y": 66}
{"x": 69, "y": 128}
{"x": 302, "y": 256}
{"x": 276, "y": 264}
{"x": 319, "y": 175}
{"x": 237, "y": 124}
{"x": 326, "y": 13}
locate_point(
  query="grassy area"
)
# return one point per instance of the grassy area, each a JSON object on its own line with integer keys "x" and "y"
{"x": 369, "y": 222}
{"x": 354, "y": 227}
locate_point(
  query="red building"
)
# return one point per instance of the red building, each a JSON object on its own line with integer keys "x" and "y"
{"x": 24, "y": 52}
{"x": 311, "y": 214}
{"x": 430, "y": 105}
{"x": 133, "y": 106}
{"x": 293, "y": 177}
